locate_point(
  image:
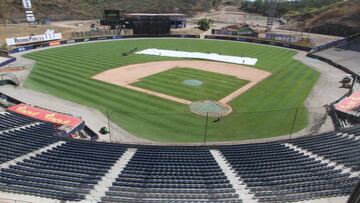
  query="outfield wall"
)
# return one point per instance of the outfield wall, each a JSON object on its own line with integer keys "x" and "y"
{"x": 10, "y": 60}
{"x": 260, "y": 41}
{"x": 91, "y": 39}
{"x": 230, "y": 38}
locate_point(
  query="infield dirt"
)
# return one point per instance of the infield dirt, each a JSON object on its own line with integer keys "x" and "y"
{"x": 126, "y": 75}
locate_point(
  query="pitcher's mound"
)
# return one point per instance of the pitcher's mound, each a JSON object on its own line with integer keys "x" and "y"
{"x": 212, "y": 108}
{"x": 192, "y": 82}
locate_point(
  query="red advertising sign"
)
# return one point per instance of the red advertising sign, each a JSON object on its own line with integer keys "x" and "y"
{"x": 349, "y": 103}
{"x": 54, "y": 43}
{"x": 45, "y": 115}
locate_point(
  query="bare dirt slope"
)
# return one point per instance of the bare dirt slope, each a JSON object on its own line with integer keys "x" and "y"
{"x": 23, "y": 29}
{"x": 341, "y": 19}
{"x": 12, "y": 10}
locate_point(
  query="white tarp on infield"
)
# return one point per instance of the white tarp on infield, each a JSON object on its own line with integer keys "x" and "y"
{"x": 198, "y": 55}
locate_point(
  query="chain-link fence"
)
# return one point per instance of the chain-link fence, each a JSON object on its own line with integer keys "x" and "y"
{"x": 186, "y": 127}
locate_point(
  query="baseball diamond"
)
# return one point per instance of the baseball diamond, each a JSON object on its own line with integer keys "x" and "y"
{"x": 198, "y": 102}
{"x": 284, "y": 84}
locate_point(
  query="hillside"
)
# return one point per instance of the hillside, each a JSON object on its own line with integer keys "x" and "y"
{"x": 12, "y": 10}
{"x": 330, "y": 17}
{"x": 341, "y": 19}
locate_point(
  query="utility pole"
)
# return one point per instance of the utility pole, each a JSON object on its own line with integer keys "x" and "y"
{"x": 294, "y": 122}
{"x": 109, "y": 125}
{"x": 206, "y": 127}
{"x": 2, "y": 14}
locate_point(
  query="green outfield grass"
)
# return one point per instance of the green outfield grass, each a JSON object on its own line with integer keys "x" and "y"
{"x": 214, "y": 86}
{"x": 264, "y": 111}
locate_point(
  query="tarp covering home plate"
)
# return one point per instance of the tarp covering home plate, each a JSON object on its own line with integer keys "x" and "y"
{"x": 198, "y": 55}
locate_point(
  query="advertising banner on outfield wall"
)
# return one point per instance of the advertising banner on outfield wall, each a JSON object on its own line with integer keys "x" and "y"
{"x": 54, "y": 43}
{"x": 46, "y": 115}
{"x": 47, "y": 36}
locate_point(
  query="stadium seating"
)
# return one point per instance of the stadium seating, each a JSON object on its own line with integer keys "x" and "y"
{"x": 20, "y": 142}
{"x": 354, "y": 131}
{"x": 339, "y": 148}
{"x": 171, "y": 174}
{"x": 347, "y": 55}
{"x": 276, "y": 173}
{"x": 67, "y": 172}
{"x": 271, "y": 172}
{"x": 10, "y": 120}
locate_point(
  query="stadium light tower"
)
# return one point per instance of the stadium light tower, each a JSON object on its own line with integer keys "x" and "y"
{"x": 3, "y": 30}
{"x": 271, "y": 13}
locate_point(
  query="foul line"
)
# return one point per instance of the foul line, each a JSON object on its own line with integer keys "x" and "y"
{"x": 158, "y": 94}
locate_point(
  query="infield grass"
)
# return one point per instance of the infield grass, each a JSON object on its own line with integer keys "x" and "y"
{"x": 266, "y": 110}
{"x": 214, "y": 86}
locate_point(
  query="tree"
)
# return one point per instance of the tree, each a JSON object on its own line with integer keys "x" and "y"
{"x": 204, "y": 24}
{"x": 214, "y": 3}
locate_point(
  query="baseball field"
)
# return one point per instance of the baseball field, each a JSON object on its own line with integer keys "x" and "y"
{"x": 265, "y": 110}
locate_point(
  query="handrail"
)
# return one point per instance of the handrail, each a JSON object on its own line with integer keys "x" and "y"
{"x": 11, "y": 76}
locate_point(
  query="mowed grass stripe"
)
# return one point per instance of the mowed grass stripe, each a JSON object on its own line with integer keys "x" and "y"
{"x": 177, "y": 79}
{"x": 161, "y": 122}
{"x": 210, "y": 77}
{"x": 206, "y": 76}
{"x": 279, "y": 84}
{"x": 172, "y": 84}
{"x": 76, "y": 57}
{"x": 90, "y": 61}
{"x": 94, "y": 64}
{"x": 130, "y": 99}
{"x": 66, "y": 72}
{"x": 177, "y": 83}
{"x": 179, "y": 90}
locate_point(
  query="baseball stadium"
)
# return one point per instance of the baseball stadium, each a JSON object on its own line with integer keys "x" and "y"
{"x": 223, "y": 102}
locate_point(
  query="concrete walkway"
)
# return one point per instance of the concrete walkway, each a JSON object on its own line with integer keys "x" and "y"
{"x": 92, "y": 117}
{"x": 106, "y": 182}
{"x": 236, "y": 182}
{"x": 326, "y": 90}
